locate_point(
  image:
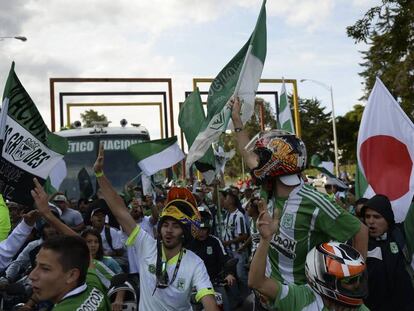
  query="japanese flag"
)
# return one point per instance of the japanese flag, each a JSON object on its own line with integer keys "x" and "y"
{"x": 385, "y": 150}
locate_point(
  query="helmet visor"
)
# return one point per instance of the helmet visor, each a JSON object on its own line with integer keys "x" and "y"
{"x": 355, "y": 286}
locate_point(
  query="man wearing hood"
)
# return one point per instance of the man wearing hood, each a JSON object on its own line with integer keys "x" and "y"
{"x": 389, "y": 256}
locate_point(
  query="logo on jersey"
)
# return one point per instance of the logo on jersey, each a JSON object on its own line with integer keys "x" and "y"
{"x": 209, "y": 250}
{"x": 394, "y": 248}
{"x": 287, "y": 221}
{"x": 151, "y": 268}
{"x": 92, "y": 302}
{"x": 181, "y": 284}
{"x": 285, "y": 246}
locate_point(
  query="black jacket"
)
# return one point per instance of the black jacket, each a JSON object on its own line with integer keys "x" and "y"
{"x": 389, "y": 284}
{"x": 212, "y": 252}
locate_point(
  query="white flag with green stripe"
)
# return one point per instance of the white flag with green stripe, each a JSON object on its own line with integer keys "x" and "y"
{"x": 285, "y": 115}
{"x": 29, "y": 149}
{"x": 155, "y": 155}
{"x": 240, "y": 77}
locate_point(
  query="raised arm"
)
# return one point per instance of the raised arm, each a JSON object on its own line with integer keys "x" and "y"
{"x": 267, "y": 226}
{"x": 241, "y": 135}
{"x": 114, "y": 201}
{"x": 41, "y": 200}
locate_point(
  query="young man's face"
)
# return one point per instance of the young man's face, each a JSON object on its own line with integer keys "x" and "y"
{"x": 202, "y": 234}
{"x": 171, "y": 234}
{"x": 136, "y": 210}
{"x": 377, "y": 225}
{"x": 49, "y": 281}
{"x": 62, "y": 204}
{"x": 98, "y": 221}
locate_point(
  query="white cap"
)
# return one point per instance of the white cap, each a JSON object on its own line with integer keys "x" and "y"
{"x": 290, "y": 180}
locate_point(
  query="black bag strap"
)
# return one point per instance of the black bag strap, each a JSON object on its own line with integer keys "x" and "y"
{"x": 108, "y": 236}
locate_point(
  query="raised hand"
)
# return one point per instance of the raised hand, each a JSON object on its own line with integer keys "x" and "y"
{"x": 40, "y": 197}
{"x": 31, "y": 217}
{"x": 235, "y": 111}
{"x": 267, "y": 225}
{"x": 99, "y": 163}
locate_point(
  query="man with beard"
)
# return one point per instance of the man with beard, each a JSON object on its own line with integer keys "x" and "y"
{"x": 168, "y": 272}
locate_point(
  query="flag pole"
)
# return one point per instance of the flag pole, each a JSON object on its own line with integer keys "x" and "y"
{"x": 136, "y": 177}
{"x": 220, "y": 229}
{"x": 237, "y": 88}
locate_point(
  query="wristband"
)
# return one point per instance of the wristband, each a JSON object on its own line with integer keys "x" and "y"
{"x": 99, "y": 174}
{"x": 238, "y": 129}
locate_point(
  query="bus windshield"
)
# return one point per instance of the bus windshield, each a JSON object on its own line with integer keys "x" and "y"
{"x": 119, "y": 165}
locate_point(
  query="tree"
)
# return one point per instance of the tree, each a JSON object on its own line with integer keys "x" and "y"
{"x": 347, "y": 128}
{"x": 91, "y": 115}
{"x": 389, "y": 30}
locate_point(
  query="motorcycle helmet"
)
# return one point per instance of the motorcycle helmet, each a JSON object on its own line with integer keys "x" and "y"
{"x": 130, "y": 299}
{"x": 280, "y": 153}
{"x": 337, "y": 272}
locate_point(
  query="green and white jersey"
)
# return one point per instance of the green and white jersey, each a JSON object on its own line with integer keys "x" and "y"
{"x": 103, "y": 273}
{"x": 87, "y": 297}
{"x": 191, "y": 273}
{"x": 300, "y": 298}
{"x": 308, "y": 218}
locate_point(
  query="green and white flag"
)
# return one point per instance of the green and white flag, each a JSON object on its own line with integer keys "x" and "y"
{"x": 155, "y": 155}
{"x": 29, "y": 149}
{"x": 326, "y": 168}
{"x": 285, "y": 115}
{"x": 190, "y": 119}
{"x": 240, "y": 77}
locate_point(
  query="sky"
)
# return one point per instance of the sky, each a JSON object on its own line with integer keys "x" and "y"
{"x": 177, "y": 39}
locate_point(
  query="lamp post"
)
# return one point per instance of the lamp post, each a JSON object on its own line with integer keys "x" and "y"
{"x": 21, "y": 38}
{"x": 335, "y": 139}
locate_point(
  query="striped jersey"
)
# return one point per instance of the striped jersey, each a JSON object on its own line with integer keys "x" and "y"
{"x": 308, "y": 218}
{"x": 234, "y": 225}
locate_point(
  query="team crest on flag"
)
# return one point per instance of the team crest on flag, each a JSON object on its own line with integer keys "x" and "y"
{"x": 24, "y": 149}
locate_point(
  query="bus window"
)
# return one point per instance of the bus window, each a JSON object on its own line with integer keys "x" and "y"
{"x": 120, "y": 167}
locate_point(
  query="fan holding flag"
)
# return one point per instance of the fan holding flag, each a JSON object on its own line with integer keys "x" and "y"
{"x": 276, "y": 159}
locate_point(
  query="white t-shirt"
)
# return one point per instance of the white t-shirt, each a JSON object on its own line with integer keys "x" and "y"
{"x": 149, "y": 228}
{"x": 191, "y": 273}
{"x": 117, "y": 241}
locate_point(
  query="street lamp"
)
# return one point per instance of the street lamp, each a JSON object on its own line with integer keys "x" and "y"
{"x": 21, "y": 38}
{"x": 335, "y": 139}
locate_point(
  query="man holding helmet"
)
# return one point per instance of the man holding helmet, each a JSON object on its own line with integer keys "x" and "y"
{"x": 308, "y": 217}
{"x": 168, "y": 271}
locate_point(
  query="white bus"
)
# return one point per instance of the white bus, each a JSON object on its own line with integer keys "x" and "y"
{"x": 119, "y": 165}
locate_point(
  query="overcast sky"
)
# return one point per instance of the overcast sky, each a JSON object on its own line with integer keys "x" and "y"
{"x": 178, "y": 39}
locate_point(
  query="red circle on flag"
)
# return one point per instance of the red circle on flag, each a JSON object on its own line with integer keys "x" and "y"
{"x": 387, "y": 165}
